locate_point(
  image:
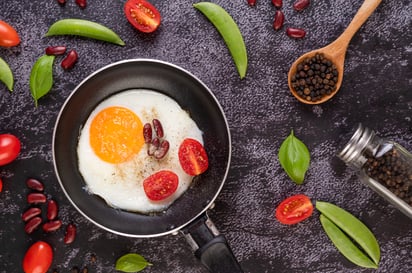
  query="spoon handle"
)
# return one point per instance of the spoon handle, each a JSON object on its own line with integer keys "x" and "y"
{"x": 367, "y": 8}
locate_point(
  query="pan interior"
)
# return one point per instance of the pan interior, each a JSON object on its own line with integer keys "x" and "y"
{"x": 192, "y": 95}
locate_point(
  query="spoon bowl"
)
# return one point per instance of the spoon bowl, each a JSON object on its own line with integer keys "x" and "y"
{"x": 335, "y": 51}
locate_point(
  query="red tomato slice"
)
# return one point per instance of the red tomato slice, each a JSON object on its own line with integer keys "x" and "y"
{"x": 8, "y": 35}
{"x": 9, "y": 148}
{"x": 193, "y": 157}
{"x": 142, "y": 15}
{"x": 160, "y": 185}
{"x": 38, "y": 258}
{"x": 294, "y": 209}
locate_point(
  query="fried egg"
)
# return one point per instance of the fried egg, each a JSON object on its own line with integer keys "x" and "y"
{"x": 112, "y": 154}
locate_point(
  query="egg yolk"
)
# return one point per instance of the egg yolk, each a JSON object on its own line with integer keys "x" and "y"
{"x": 116, "y": 134}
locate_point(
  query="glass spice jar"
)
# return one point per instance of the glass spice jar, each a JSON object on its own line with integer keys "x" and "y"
{"x": 383, "y": 165}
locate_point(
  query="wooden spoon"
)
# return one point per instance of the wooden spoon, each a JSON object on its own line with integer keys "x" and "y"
{"x": 336, "y": 50}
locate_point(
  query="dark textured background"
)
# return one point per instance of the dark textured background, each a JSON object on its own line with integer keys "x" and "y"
{"x": 376, "y": 91}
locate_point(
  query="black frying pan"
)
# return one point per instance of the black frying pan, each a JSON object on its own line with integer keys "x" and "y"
{"x": 188, "y": 213}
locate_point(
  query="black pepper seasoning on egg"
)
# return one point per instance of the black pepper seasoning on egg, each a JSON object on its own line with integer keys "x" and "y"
{"x": 315, "y": 78}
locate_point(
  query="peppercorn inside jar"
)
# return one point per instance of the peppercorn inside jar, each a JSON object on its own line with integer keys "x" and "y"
{"x": 383, "y": 165}
{"x": 315, "y": 78}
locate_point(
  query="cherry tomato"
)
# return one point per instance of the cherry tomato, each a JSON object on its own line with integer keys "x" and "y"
{"x": 9, "y": 148}
{"x": 193, "y": 157}
{"x": 294, "y": 209}
{"x": 160, "y": 185}
{"x": 142, "y": 15}
{"x": 8, "y": 35}
{"x": 38, "y": 258}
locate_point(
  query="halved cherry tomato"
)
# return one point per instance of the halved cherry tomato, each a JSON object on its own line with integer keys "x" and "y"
{"x": 9, "y": 148}
{"x": 193, "y": 157}
{"x": 142, "y": 15}
{"x": 294, "y": 209}
{"x": 8, "y": 35}
{"x": 38, "y": 258}
{"x": 160, "y": 185}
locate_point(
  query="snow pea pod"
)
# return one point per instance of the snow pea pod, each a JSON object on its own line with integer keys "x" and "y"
{"x": 6, "y": 76}
{"x": 229, "y": 31}
{"x": 345, "y": 245}
{"x": 41, "y": 77}
{"x": 84, "y": 28}
{"x": 352, "y": 227}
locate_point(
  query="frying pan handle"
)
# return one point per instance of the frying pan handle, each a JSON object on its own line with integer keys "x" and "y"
{"x": 210, "y": 247}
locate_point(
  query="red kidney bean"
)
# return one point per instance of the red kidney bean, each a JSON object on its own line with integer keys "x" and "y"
{"x": 277, "y": 3}
{"x": 55, "y": 50}
{"x": 81, "y": 3}
{"x": 1, "y": 185}
{"x": 34, "y": 184}
{"x": 52, "y": 225}
{"x": 36, "y": 197}
{"x": 158, "y": 128}
{"x": 32, "y": 224}
{"x": 52, "y": 210}
{"x": 162, "y": 150}
{"x": 295, "y": 32}
{"x": 147, "y": 133}
{"x": 70, "y": 60}
{"x": 61, "y": 2}
{"x": 70, "y": 234}
{"x": 251, "y": 2}
{"x": 279, "y": 19}
{"x": 154, "y": 145}
{"x": 30, "y": 213}
{"x": 300, "y": 5}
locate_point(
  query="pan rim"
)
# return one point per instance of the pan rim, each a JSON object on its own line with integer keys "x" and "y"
{"x": 184, "y": 71}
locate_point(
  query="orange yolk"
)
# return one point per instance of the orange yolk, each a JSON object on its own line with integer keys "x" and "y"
{"x": 116, "y": 134}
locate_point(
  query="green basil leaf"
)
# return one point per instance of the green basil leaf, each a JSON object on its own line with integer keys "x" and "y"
{"x": 294, "y": 158}
{"x": 6, "y": 76}
{"x": 41, "y": 77}
{"x": 131, "y": 262}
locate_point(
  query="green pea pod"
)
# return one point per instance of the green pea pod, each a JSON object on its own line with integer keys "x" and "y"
{"x": 353, "y": 228}
{"x": 345, "y": 245}
{"x": 6, "y": 76}
{"x": 86, "y": 29}
{"x": 294, "y": 157}
{"x": 41, "y": 77}
{"x": 229, "y": 31}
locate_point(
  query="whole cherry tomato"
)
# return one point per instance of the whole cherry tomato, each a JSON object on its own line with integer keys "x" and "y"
{"x": 160, "y": 185}
{"x": 142, "y": 15}
{"x": 294, "y": 209}
{"x": 38, "y": 258}
{"x": 193, "y": 157}
{"x": 8, "y": 35}
{"x": 9, "y": 148}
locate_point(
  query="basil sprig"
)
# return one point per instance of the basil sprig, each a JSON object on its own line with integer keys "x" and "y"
{"x": 6, "y": 75}
{"x": 131, "y": 262}
{"x": 41, "y": 77}
{"x": 294, "y": 158}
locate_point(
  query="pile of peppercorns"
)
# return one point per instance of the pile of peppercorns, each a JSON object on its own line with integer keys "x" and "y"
{"x": 315, "y": 78}
{"x": 392, "y": 171}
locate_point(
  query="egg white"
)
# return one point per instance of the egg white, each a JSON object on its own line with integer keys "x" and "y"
{"x": 121, "y": 185}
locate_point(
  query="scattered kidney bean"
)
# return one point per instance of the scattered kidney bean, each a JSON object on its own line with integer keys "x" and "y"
{"x": 52, "y": 225}
{"x": 34, "y": 184}
{"x": 81, "y": 3}
{"x": 158, "y": 128}
{"x": 61, "y": 2}
{"x": 30, "y": 213}
{"x": 147, "y": 133}
{"x": 55, "y": 50}
{"x": 295, "y": 32}
{"x": 32, "y": 224}
{"x": 162, "y": 150}
{"x": 300, "y": 5}
{"x": 279, "y": 19}
{"x": 251, "y": 2}
{"x": 70, "y": 60}
{"x": 70, "y": 234}
{"x": 1, "y": 185}
{"x": 277, "y": 3}
{"x": 52, "y": 209}
{"x": 36, "y": 197}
